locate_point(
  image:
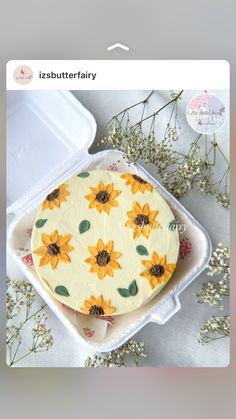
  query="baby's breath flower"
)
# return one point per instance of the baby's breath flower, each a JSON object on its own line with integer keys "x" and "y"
{"x": 131, "y": 350}
{"x": 179, "y": 172}
{"x": 20, "y": 311}
{"x": 215, "y": 328}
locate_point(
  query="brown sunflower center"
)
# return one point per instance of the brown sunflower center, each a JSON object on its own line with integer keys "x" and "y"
{"x": 102, "y": 197}
{"x": 53, "y": 195}
{"x": 139, "y": 179}
{"x": 157, "y": 270}
{"x": 103, "y": 258}
{"x": 96, "y": 310}
{"x": 53, "y": 249}
{"x": 141, "y": 220}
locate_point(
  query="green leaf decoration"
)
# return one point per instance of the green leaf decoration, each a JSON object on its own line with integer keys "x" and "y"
{"x": 61, "y": 290}
{"x": 83, "y": 174}
{"x": 84, "y": 226}
{"x": 141, "y": 250}
{"x": 172, "y": 225}
{"x": 40, "y": 223}
{"x": 123, "y": 292}
{"x": 130, "y": 292}
{"x": 133, "y": 288}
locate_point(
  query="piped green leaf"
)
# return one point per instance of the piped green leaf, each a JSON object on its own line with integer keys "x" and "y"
{"x": 61, "y": 290}
{"x": 84, "y": 226}
{"x": 123, "y": 292}
{"x": 83, "y": 174}
{"x": 133, "y": 288}
{"x": 40, "y": 223}
{"x": 130, "y": 292}
{"x": 141, "y": 250}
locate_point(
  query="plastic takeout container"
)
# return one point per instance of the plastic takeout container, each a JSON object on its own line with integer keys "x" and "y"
{"x": 48, "y": 135}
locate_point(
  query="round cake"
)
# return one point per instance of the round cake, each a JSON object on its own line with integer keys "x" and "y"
{"x": 105, "y": 242}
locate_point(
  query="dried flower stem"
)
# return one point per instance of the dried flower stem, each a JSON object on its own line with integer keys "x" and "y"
{"x": 20, "y": 303}
{"x": 179, "y": 172}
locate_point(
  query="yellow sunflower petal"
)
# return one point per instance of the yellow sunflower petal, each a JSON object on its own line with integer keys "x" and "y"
{"x": 129, "y": 223}
{"x": 134, "y": 187}
{"x": 142, "y": 187}
{"x": 87, "y": 304}
{"x": 106, "y": 208}
{"x": 45, "y": 204}
{"x": 56, "y": 203}
{"x": 114, "y": 265}
{"x": 66, "y": 248}
{"x": 114, "y": 194}
{"x": 115, "y": 255}
{"x": 145, "y": 232}
{"x": 90, "y": 196}
{"x": 92, "y": 250}
{"x": 94, "y": 268}
{"x": 101, "y": 272}
{"x": 149, "y": 187}
{"x": 136, "y": 208}
{"x": 45, "y": 239}
{"x": 63, "y": 239}
{"x": 155, "y": 258}
{"x": 100, "y": 245}
{"x": 84, "y": 310}
{"x": 109, "y": 246}
{"x": 101, "y": 185}
{"x": 99, "y": 300}
{"x": 44, "y": 260}
{"x": 109, "y": 188}
{"x": 91, "y": 260}
{"x": 54, "y": 262}
{"x": 41, "y": 250}
{"x": 64, "y": 257}
{"x": 54, "y": 236}
{"x": 99, "y": 208}
{"x": 145, "y": 209}
{"x": 137, "y": 232}
{"x": 109, "y": 271}
{"x": 113, "y": 203}
{"x": 146, "y": 263}
{"x": 131, "y": 214}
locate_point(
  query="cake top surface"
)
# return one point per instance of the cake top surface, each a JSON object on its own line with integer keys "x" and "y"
{"x": 104, "y": 242}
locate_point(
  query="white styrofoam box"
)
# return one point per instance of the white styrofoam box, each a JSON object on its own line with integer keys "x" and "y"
{"x": 48, "y": 135}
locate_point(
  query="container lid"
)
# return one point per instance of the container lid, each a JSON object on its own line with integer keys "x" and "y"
{"x": 46, "y": 132}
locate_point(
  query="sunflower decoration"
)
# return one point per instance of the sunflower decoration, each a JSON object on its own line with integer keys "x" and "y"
{"x": 103, "y": 197}
{"x": 137, "y": 183}
{"x": 157, "y": 270}
{"x": 97, "y": 306}
{"x": 56, "y": 197}
{"x": 54, "y": 249}
{"x": 103, "y": 259}
{"x": 141, "y": 220}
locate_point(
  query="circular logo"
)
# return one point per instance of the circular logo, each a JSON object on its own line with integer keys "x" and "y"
{"x": 206, "y": 113}
{"x": 23, "y": 74}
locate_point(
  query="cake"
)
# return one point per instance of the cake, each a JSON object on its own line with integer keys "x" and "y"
{"x": 105, "y": 242}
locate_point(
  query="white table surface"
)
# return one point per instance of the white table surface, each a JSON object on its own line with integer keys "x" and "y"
{"x": 174, "y": 344}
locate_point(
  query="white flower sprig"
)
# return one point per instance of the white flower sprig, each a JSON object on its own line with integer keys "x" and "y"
{"x": 21, "y": 310}
{"x": 179, "y": 172}
{"x": 215, "y": 328}
{"x": 213, "y": 293}
{"x": 130, "y": 351}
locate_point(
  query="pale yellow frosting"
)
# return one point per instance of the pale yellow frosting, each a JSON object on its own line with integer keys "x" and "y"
{"x": 105, "y": 248}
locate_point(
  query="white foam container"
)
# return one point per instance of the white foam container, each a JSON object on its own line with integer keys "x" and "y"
{"x": 48, "y": 136}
